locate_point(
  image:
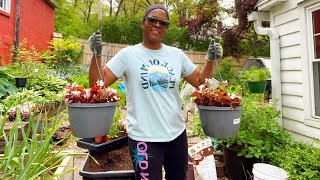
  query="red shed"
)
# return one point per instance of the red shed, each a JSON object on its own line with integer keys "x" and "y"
{"x": 36, "y": 24}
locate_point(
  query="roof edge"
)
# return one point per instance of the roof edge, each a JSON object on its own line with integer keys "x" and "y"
{"x": 265, "y": 5}
{"x": 53, "y": 3}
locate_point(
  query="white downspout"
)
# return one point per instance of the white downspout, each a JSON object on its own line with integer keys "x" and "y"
{"x": 275, "y": 62}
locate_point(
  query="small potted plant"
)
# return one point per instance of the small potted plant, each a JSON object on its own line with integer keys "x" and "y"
{"x": 256, "y": 79}
{"x": 90, "y": 110}
{"x": 219, "y": 108}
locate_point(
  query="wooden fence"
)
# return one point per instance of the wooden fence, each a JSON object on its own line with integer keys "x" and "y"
{"x": 110, "y": 49}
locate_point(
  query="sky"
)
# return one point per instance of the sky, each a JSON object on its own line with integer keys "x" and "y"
{"x": 229, "y": 21}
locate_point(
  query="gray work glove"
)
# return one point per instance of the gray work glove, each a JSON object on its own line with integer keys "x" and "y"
{"x": 215, "y": 51}
{"x": 95, "y": 40}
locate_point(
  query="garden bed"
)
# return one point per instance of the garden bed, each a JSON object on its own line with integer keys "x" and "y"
{"x": 112, "y": 164}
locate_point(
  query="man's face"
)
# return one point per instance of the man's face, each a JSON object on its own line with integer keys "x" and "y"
{"x": 154, "y": 26}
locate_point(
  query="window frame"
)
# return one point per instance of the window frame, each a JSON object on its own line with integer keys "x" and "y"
{"x": 7, "y": 5}
{"x": 312, "y": 58}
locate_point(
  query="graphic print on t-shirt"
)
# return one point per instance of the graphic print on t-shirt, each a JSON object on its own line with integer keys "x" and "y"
{"x": 157, "y": 75}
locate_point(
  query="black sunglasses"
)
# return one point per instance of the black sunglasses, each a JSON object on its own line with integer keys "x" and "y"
{"x": 153, "y": 21}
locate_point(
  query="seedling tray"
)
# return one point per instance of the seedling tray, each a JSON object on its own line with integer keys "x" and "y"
{"x": 89, "y": 143}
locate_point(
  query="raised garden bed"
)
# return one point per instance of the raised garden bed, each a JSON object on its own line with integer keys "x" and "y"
{"x": 114, "y": 160}
{"x": 113, "y": 164}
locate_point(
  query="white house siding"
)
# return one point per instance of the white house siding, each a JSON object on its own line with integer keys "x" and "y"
{"x": 286, "y": 21}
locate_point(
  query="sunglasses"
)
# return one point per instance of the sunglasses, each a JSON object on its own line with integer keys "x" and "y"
{"x": 153, "y": 21}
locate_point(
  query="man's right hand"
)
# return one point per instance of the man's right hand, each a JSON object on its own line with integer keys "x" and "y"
{"x": 95, "y": 43}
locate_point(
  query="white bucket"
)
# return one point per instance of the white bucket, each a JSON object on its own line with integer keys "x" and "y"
{"x": 263, "y": 171}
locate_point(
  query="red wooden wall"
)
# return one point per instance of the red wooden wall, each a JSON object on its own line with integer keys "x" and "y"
{"x": 36, "y": 25}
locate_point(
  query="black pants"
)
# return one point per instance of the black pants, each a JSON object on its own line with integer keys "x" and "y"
{"x": 149, "y": 157}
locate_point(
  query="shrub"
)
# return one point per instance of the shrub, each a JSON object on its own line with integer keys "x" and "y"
{"x": 63, "y": 52}
{"x": 259, "y": 132}
{"x": 227, "y": 71}
{"x": 255, "y": 75}
{"x": 299, "y": 159}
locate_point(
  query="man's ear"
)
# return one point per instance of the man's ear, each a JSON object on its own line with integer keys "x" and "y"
{"x": 142, "y": 23}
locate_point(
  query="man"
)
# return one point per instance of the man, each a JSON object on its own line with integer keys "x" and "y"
{"x": 152, "y": 71}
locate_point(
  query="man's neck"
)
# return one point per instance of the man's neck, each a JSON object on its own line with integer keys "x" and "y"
{"x": 152, "y": 46}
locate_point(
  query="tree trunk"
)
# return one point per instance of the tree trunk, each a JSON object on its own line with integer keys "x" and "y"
{"x": 16, "y": 31}
{"x": 99, "y": 10}
{"x": 110, "y": 8}
{"x": 119, "y": 7}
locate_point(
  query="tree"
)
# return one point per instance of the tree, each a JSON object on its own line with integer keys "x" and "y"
{"x": 203, "y": 24}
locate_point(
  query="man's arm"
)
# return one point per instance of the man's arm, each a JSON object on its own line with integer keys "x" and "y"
{"x": 96, "y": 43}
{"x": 107, "y": 75}
{"x": 197, "y": 78}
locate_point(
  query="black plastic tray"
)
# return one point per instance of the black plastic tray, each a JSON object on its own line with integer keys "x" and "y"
{"x": 108, "y": 175}
{"x": 89, "y": 143}
{"x": 85, "y": 171}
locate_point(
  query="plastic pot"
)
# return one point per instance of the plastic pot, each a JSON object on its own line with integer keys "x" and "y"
{"x": 91, "y": 120}
{"x": 257, "y": 87}
{"x": 21, "y": 82}
{"x": 220, "y": 122}
{"x": 237, "y": 167}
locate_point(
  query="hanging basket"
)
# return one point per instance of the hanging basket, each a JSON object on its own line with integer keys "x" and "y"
{"x": 220, "y": 122}
{"x": 91, "y": 120}
{"x": 257, "y": 87}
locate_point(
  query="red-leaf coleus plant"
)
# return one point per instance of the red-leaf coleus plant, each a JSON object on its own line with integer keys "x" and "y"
{"x": 213, "y": 93}
{"x": 98, "y": 94}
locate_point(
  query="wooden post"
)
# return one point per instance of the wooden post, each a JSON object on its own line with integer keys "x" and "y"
{"x": 99, "y": 10}
{"x": 16, "y": 31}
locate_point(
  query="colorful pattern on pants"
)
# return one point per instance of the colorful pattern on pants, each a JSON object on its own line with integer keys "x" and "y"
{"x": 141, "y": 158}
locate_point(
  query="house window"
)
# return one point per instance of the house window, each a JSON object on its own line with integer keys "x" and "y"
{"x": 315, "y": 14}
{"x": 5, "y": 5}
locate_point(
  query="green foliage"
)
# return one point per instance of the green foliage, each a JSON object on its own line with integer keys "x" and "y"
{"x": 123, "y": 30}
{"x": 35, "y": 157}
{"x": 6, "y": 85}
{"x": 259, "y": 132}
{"x": 63, "y": 52}
{"x": 70, "y": 20}
{"x": 45, "y": 83}
{"x": 81, "y": 79}
{"x": 197, "y": 128}
{"x": 39, "y": 77}
{"x": 227, "y": 71}
{"x": 116, "y": 127}
{"x": 122, "y": 95}
{"x": 299, "y": 159}
{"x": 26, "y": 56}
{"x": 255, "y": 45}
{"x": 255, "y": 75}
{"x": 44, "y": 98}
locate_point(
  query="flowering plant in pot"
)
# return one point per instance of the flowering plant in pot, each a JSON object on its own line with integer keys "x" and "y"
{"x": 219, "y": 108}
{"x": 90, "y": 110}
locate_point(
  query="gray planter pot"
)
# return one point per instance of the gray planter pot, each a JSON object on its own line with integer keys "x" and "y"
{"x": 220, "y": 122}
{"x": 91, "y": 120}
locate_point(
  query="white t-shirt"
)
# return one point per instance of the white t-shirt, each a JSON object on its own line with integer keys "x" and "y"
{"x": 152, "y": 90}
